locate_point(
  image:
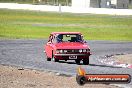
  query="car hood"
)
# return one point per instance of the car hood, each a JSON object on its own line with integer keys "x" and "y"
{"x": 71, "y": 45}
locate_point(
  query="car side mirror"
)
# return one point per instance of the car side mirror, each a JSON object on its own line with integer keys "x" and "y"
{"x": 85, "y": 41}
{"x": 49, "y": 42}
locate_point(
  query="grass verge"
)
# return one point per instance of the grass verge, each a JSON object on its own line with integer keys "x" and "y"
{"x": 36, "y": 24}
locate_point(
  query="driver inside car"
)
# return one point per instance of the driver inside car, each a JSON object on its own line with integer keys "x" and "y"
{"x": 59, "y": 38}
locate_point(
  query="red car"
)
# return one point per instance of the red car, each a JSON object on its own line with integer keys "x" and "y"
{"x": 67, "y": 46}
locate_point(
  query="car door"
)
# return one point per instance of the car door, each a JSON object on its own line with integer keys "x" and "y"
{"x": 49, "y": 47}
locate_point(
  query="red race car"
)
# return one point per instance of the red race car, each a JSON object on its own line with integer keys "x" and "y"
{"x": 67, "y": 46}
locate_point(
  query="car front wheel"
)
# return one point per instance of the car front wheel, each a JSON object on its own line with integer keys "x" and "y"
{"x": 77, "y": 61}
{"x": 48, "y": 59}
{"x": 55, "y": 60}
{"x": 85, "y": 61}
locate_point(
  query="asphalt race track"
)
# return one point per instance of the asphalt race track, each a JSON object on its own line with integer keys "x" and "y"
{"x": 29, "y": 54}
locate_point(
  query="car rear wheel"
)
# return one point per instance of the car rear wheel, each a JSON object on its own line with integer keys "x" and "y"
{"x": 85, "y": 61}
{"x": 77, "y": 61}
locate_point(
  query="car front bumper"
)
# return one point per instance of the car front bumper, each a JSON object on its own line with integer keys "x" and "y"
{"x": 72, "y": 54}
{"x": 67, "y": 56}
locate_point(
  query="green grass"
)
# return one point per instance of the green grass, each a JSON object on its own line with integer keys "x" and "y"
{"x": 17, "y": 1}
{"x": 51, "y": 2}
{"x": 36, "y": 24}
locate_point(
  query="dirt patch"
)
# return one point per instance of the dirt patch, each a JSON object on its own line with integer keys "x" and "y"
{"x": 13, "y": 77}
{"x": 124, "y": 58}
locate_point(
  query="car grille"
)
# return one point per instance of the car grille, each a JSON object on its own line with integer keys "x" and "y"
{"x": 72, "y": 51}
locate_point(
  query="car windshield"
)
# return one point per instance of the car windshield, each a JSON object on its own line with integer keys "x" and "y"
{"x": 69, "y": 38}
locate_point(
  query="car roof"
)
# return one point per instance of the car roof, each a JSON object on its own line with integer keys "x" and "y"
{"x": 65, "y": 33}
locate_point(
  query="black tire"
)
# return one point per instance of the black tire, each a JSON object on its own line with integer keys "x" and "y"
{"x": 77, "y": 61}
{"x": 81, "y": 80}
{"x": 55, "y": 60}
{"x": 48, "y": 59}
{"x": 85, "y": 61}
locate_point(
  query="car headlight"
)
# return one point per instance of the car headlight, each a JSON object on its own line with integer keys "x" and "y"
{"x": 84, "y": 50}
{"x": 88, "y": 50}
{"x": 80, "y": 50}
{"x": 65, "y": 51}
{"x": 59, "y": 51}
